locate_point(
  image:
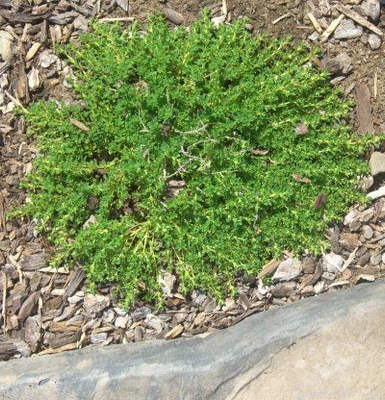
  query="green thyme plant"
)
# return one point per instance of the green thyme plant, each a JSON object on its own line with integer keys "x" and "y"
{"x": 200, "y": 151}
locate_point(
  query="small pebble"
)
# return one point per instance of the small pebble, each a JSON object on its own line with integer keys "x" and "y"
{"x": 319, "y": 287}
{"x": 374, "y": 41}
{"x": 98, "y": 338}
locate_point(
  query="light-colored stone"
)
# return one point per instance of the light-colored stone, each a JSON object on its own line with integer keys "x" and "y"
{"x": 351, "y": 216}
{"x": 366, "y": 183}
{"x": 308, "y": 290}
{"x": 283, "y": 289}
{"x": 230, "y": 304}
{"x": 199, "y": 298}
{"x": 371, "y": 8}
{"x": 366, "y": 215}
{"x": 32, "y": 332}
{"x": 154, "y": 322}
{"x": 75, "y": 299}
{"x": 47, "y": 59}
{"x": 123, "y": 4}
{"x": 314, "y": 36}
{"x": 375, "y": 194}
{"x": 120, "y": 312}
{"x": 167, "y": 282}
{"x": 332, "y": 262}
{"x": 98, "y": 338}
{"x": 328, "y": 277}
{"x": 348, "y": 30}
{"x": 374, "y": 41}
{"x": 349, "y": 241}
{"x": 366, "y": 277}
{"x": 34, "y": 80}
{"x": 94, "y": 304}
{"x": 319, "y": 287}
{"x": 108, "y": 316}
{"x": 6, "y": 46}
{"x": 121, "y": 322}
{"x": 377, "y": 163}
{"x": 367, "y": 231}
{"x": 288, "y": 270}
{"x": 376, "y": 258}
{"x": 341, "y": 64}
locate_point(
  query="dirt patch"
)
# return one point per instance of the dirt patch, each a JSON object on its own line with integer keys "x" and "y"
{"x": 47, "y": 311}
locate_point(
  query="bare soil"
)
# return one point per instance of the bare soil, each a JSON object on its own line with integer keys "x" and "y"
{"x": 47, "y": 311}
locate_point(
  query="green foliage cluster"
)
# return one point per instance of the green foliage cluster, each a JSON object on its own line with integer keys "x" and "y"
{"x": 213, "y": 110}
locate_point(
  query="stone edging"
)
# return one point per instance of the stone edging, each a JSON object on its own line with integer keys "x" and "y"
{"x": 217, "y": 366}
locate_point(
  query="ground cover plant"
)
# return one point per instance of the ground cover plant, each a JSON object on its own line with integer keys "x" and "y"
{"x": 204, "y": 152}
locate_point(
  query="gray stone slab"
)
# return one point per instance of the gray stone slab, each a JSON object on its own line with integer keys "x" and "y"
{"x": 218, "y": 366}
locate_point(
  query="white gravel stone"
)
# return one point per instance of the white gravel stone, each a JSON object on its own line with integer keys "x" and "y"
{"x": 6, "y": 46}
{"x": 314, "y": 36}
{"x": 98, "y": 338}
{"x": 377, "y": 163}
{"x": 120, "y": 311}
{"x": 367, "y": 231}
{"x": 108, "y": 316}
{"x": 288, "y": 270}
{"x": 47, "y": 59}
{"x": 375, "y": 194}
{"x": 319, "y": 287}
{"x": 154, "y": 322}
{"x": 348, "y": 30}
{"x": 374, "y": 41}
{"x": 332, "y": 262}
{"x": 94, "y": 304}
{"x": 32, "y": 332}
{"x": 121, "y": 322}
{"x": 34, "y": 81}
{"x": 167, "y": 282}
{"x": 351, "y": 216}
{"x": 371, "y": 8}
{"x": 75, "y": 299}
{"x": 376, "y": 258}
{"x": 328, "y": 276}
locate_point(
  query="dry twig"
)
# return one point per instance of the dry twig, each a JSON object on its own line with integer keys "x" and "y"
{"x": 2, "y": 214}
{"x": 331, "y": 28}
{"x": 118, "y": 19}
{"x": 287, "y": 15}
{"x": 4, "y": 311}
{"x": 315, "y": 23}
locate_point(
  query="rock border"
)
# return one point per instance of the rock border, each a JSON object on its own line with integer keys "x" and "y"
{"x": 218, "y": 366}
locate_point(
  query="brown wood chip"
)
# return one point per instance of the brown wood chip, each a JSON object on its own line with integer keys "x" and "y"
{"x": 29, "y": 307}
{"x": 75, "y": 280}
{"x": 173, "y": 16}
{"x": 364, "y": 112}
{"x": 301, "y": 179}
{"x": 2, "y": 214}
{"x": 60, "y": 339}
{"x": 175, "y": 332}
{"x": 320, "y": 201}
{"x": 27, "y": 18}
{"x": 34, "y": 262}
{"x": 70, "y": 346}
{"x": 10, "y": 348}
{"x": 79, "y": 125}
{"x": 269, "y": 268}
